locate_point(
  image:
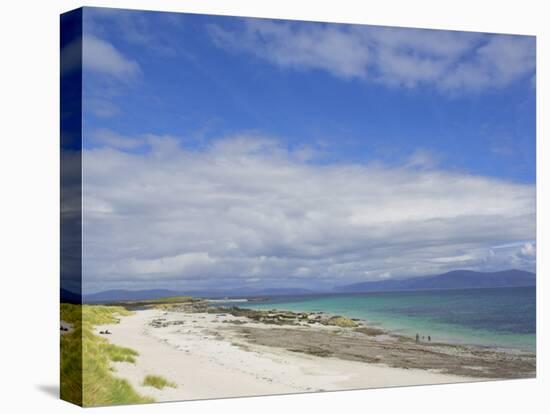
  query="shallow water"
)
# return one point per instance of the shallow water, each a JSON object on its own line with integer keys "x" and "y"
{"x": 500, "y": 317}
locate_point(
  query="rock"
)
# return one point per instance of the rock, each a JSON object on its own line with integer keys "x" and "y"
{"x": 341, "y": 321}
{"x": 370, "y": 331}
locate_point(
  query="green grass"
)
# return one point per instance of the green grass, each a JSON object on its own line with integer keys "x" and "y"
{"x": 121, "y": 354}
{"x": 92, "y": 314}
{"x": 157, "y": 382}
{"x": 86, "y": 375}
{"x": 173, "y": 299}
{"x": 160, "y": 303}
{"x": 101, "y": 315}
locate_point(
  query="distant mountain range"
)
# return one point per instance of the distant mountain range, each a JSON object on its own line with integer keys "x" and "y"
{"x": 458, "y": 279}
{"x": 127, "y": 295}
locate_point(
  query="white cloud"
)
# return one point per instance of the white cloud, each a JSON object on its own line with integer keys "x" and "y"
{"x": 136, "y": 28}
{"x": 454, "y": 259}
{"x": 339, "y": 52}
{"x": 106, "y": 137}
{"x": 423, "y": 159}
{"x": 247, "y": 208}
{"x": 528, "y": 250}
{"x": 101, "y": 108}
{"x": 180, "y": 263}
{"x": 102, "y": 57}
{"x": 500, "y": 61}
{"x": 449, "y": 61}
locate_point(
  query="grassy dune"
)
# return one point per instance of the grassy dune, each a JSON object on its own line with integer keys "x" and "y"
{"x": 86, "y": 376}
{"x": 158, "y": 382}
{"x": 160, "y": 303}
{"x": 156, "y": 303}
{"x": 172, "y": 299}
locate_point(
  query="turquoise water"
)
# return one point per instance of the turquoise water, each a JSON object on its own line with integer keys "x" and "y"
{"x": 501, "y": 317}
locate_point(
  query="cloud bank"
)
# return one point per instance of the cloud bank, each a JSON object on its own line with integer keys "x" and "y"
{"x": 449, "y": 61}
{"x": 248, "y": 211}
{"x": 102, "y": 57}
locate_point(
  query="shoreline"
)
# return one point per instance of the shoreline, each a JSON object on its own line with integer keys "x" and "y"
{"x": 443, "y": 339}
{"x": 448, "y": 334}
{"x": 378, "y": 332}
{"x": 215, "y": 352}
{"x": 377, "y": 326}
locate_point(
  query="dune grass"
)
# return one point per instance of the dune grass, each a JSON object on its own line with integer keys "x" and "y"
{"x": 101, "y": 315}
{"x": 157, "y": 382}
{"x": 86, "y": 375}
{"x": 167, "y": 303}
{"x": 121, "y": 354}
{"x": 173, "y": 299}
{"x": 156, "y": 303}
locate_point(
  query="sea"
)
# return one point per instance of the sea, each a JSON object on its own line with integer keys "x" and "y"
{"x": 491, "y": 317}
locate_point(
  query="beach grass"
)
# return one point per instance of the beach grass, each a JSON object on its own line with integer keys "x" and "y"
{"x": 167, "y": 304}
{"x": 86, "y": 375}
{"x": 174, "y": 299}
{"x": 157, "y": 382}
{"x": 101, "y": 315}
{"x": 121, "y": 354}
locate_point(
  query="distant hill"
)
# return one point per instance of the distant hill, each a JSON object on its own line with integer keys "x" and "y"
{"x": 457, "y": 279}
{"x": 273, "y": 292}
{"x": 128, "y": 295}
{"x": 69, "y": 297}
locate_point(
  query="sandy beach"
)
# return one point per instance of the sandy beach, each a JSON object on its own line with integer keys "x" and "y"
{"x": 219, "y": 355}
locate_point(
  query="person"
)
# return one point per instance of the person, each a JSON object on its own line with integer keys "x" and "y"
{"x": 417, "y": 337}
{"x": 429, "y": 338}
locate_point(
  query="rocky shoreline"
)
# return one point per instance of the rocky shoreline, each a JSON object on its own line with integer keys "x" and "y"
{"x": 272, "y": 317}
{"x": 324, "y": 335}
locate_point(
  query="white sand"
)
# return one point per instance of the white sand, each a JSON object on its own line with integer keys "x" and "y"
{"x": 207, "y": 360}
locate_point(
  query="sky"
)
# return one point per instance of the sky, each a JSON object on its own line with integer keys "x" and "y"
{"x": 227, "y": 152}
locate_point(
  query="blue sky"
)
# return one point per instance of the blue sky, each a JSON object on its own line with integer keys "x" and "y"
{"x": 393, "y": 104}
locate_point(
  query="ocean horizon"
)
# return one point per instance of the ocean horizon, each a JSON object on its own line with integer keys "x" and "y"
{"x": 491, "y": 317}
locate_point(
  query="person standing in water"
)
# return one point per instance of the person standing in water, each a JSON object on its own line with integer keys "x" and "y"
{"x": 417, "y": 337}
